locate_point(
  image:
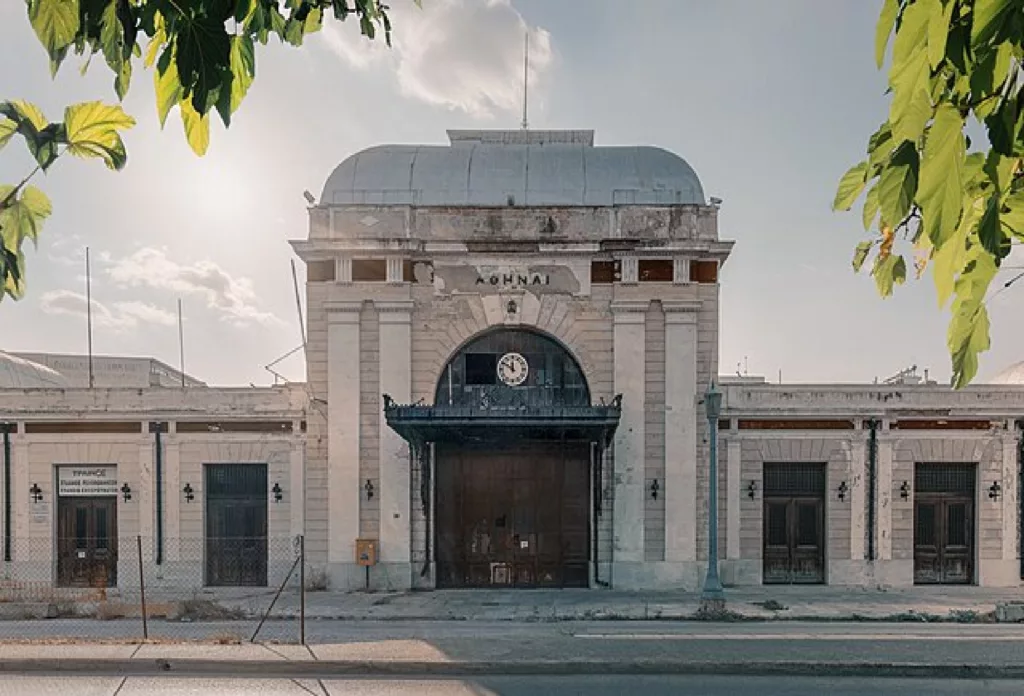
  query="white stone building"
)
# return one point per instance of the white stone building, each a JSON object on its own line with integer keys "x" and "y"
{"x": 509, "y": 342}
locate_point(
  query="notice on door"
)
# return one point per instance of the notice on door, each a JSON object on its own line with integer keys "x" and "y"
{"x": 78, "y": 481}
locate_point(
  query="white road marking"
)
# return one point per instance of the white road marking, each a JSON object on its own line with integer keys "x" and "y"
{"x": 798, "y": 636}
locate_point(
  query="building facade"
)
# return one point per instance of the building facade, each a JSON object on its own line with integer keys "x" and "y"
{"x": 509, "y": 342}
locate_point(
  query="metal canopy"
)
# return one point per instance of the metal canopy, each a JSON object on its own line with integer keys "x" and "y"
{"x": 419, "y": 424}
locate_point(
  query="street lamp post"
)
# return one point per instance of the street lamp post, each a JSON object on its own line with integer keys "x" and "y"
{"x": 712, "y": 597}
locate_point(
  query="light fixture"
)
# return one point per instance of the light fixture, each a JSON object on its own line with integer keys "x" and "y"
{"x": 994, "y": 490}
{"x": 905, "y": 490}
{"x": 842, "y": 490}
{"x": 189, "y": 493}
{"x": 654, "y": 489}
{"x": 713, "y": 402}
{"x": 126, "y": 491}
{"x": 37, "y": 493}
{"x": 278, "y": 493}
{"x": 511, "y": 307}
{"x": 369, "y": 489}
{"x": 752, "y": 489}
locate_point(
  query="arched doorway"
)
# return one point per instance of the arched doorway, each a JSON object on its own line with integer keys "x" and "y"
{"x": 517, "y": 446}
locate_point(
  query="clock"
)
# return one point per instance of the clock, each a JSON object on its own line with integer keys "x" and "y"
{"x": 513, "y": 369}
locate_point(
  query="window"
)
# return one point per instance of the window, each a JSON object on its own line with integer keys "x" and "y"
{"x": 704, "y": 271}
{"x": 369, "y": 270}
{"x": 320, "y": 271}
{"x": 410, "y": 268}
{"x": 603, "y": 272}
{"x": 481, "y": 368}
{"x": 655, "y": 270}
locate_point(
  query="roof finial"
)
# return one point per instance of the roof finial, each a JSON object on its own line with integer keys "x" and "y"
{"x": 526, "y": 78}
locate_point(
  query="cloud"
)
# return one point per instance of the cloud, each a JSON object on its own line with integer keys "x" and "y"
{"x": 119, "y": 316}
{"x": 233, "y": 298}
{"x": 461, "y": 54}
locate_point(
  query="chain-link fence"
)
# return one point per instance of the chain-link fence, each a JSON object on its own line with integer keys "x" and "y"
{"x": 181, "y": 589}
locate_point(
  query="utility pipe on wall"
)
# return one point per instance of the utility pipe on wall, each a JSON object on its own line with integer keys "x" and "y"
{"x": 872, "y": 465}
{"x": 6, "y": 427}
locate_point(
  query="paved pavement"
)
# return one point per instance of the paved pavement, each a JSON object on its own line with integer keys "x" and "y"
{"x": 456, "y": 649}
{"x": 504, "y": 686}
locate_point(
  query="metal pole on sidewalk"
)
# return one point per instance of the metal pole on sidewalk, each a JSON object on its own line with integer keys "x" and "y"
{"x": 302, "y": 589}
{"x": 712, "y": 598}
{"x": 142, "y": 590}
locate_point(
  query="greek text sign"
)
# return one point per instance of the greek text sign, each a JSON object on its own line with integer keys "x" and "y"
{"x": 86, "y": 480}
{"x": 495, "y": 279}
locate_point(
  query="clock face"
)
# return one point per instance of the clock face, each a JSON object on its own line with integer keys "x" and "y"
{"x": 512, "y": 369}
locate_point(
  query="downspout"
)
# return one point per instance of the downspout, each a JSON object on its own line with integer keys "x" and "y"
{"x": 421, "y": 451}
{"x": 597, "y": 457}
{"x": 1020, "y": 492}
{"x": 872, "y": 465}
{"x": 157, "y": 428}
{"x": 7, "y": 490}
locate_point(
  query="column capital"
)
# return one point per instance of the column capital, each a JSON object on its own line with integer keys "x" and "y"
{"x": 630, "y": 311}
{"x": 343, "y": 312}
{"x": 394, "y": 312}
{"x": 680, "y": 311}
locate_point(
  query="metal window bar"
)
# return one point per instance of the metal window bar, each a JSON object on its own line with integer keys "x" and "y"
{"x": 794, "y": 478}
{"x": 944, "y": 478}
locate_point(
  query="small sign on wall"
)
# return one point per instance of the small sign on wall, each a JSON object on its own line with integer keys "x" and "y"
{"x": 81, "y": 481}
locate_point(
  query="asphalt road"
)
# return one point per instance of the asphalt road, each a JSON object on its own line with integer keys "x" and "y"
{"x": 503, "y": 686}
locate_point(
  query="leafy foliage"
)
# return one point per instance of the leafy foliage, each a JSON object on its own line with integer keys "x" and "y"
{"x": 204, "y": 51}
{"x": 89, "y": 130}
{"x": 952, "y": 61}
{"x": 204, "y": 55}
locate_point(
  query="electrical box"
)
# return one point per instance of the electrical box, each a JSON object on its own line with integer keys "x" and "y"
{"x": 366, "y": 552}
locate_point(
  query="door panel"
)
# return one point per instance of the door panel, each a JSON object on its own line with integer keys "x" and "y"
{"x": 513, "y": 518}
{"x": 944, "y": 523}
{"x": 87, "y": 542}
{"x": 236, "y": 525}
{"x": 794, "y": 524}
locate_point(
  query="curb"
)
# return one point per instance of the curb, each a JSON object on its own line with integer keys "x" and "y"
{"x": 328, "y": 669}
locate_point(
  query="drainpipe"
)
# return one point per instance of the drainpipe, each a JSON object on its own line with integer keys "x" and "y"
{"x": 158, "y": 428}
{"x": 872, "y": 463}
{"x": 1020, "y": 493}
{"x": 597, "y": 457}
{"x": 6, "y": 427}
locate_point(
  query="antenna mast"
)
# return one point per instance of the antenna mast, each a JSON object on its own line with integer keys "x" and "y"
{"x": 88, "y": 313}
{"x": 526, "y": 78}
{"x": 181, "y": 347}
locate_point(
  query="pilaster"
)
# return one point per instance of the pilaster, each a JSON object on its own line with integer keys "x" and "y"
{"x": 681, "y": 431}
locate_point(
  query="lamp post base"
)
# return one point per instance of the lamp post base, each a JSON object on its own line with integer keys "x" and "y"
{"x": 711, "y": 607}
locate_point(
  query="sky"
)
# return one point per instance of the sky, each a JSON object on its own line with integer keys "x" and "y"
{"x": 770, "y": 102}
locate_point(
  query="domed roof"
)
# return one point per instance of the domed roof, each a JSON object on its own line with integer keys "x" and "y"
{"x": 1013, "y": 375}
{"x": 519, "y": 168}
{"x": 18, "y": 373}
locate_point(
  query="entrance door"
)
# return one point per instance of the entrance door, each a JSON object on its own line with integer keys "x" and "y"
{"x": 236, "y": 525}
{"x": 794, "y": 523}
{"x": 943, "y": 524}
{"x": 87, "y": 542}
{"x": 516, "y": 518}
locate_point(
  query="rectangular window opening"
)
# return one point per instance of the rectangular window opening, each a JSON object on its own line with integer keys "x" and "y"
{"x": 704, "y": 271}
{"x": 320, "y": 271}
{"x": 655, "y": 270}
{"x": 481, "y": 368}
{"x": 369, "y": 270}
{"x": 605, "y": 272}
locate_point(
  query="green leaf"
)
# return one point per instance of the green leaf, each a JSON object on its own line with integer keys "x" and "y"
{"x": 999, "y": 170}
{"x": 990, "y": 233}
{"x": 860, "y": 255}
{"x": 169, "y": 91}
{"x": 112, "y": 36}
{"x": 909, "y": 76}
{"x": 1012, "y": 214}
{"x": 41, "y": 138}
{"x": 197, "y": 128}
{"x": 24, "y": 113}
{"x": 123, "y": 80}
{"x": 889, "y": 271}
{"x": 243, "y": 68}
{"x": 23, "y": 217}
{"x": 870, "y": 211}
{"x": 14, "y": 283}
{"x": 898, "y": 184}
{"x": 987, "y": 19}
{"x": 886, "y": 20}
{"x": 988, "y": 74}
{"x": 93, "y": 131}
{"x": 940, "y": 15}
{"x": 202, "y": 52}
{"x": 850, "y": 186}
{"x": 56, "y": 23}
{"x": 968, "y": 334}
{"x": 7, "y": 130}
{"x": 940, "y": 190}
{"x": 880, "y": 145}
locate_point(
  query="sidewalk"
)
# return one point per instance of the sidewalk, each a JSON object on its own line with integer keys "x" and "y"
{"x": 788, "y": 602}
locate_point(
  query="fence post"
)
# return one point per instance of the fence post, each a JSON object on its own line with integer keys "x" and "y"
{"x": 142, "y": 590}
{"x": 302, "y": 589}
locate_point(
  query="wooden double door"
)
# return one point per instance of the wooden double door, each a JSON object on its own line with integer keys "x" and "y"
{"x": 944, "y": 538}
{"x": 794, "y": 524}
{"x": 87, "y": 541}
{"x": 518, "y": 517}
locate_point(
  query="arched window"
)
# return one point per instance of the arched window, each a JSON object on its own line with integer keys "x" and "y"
{"x": 488, "y": 372}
